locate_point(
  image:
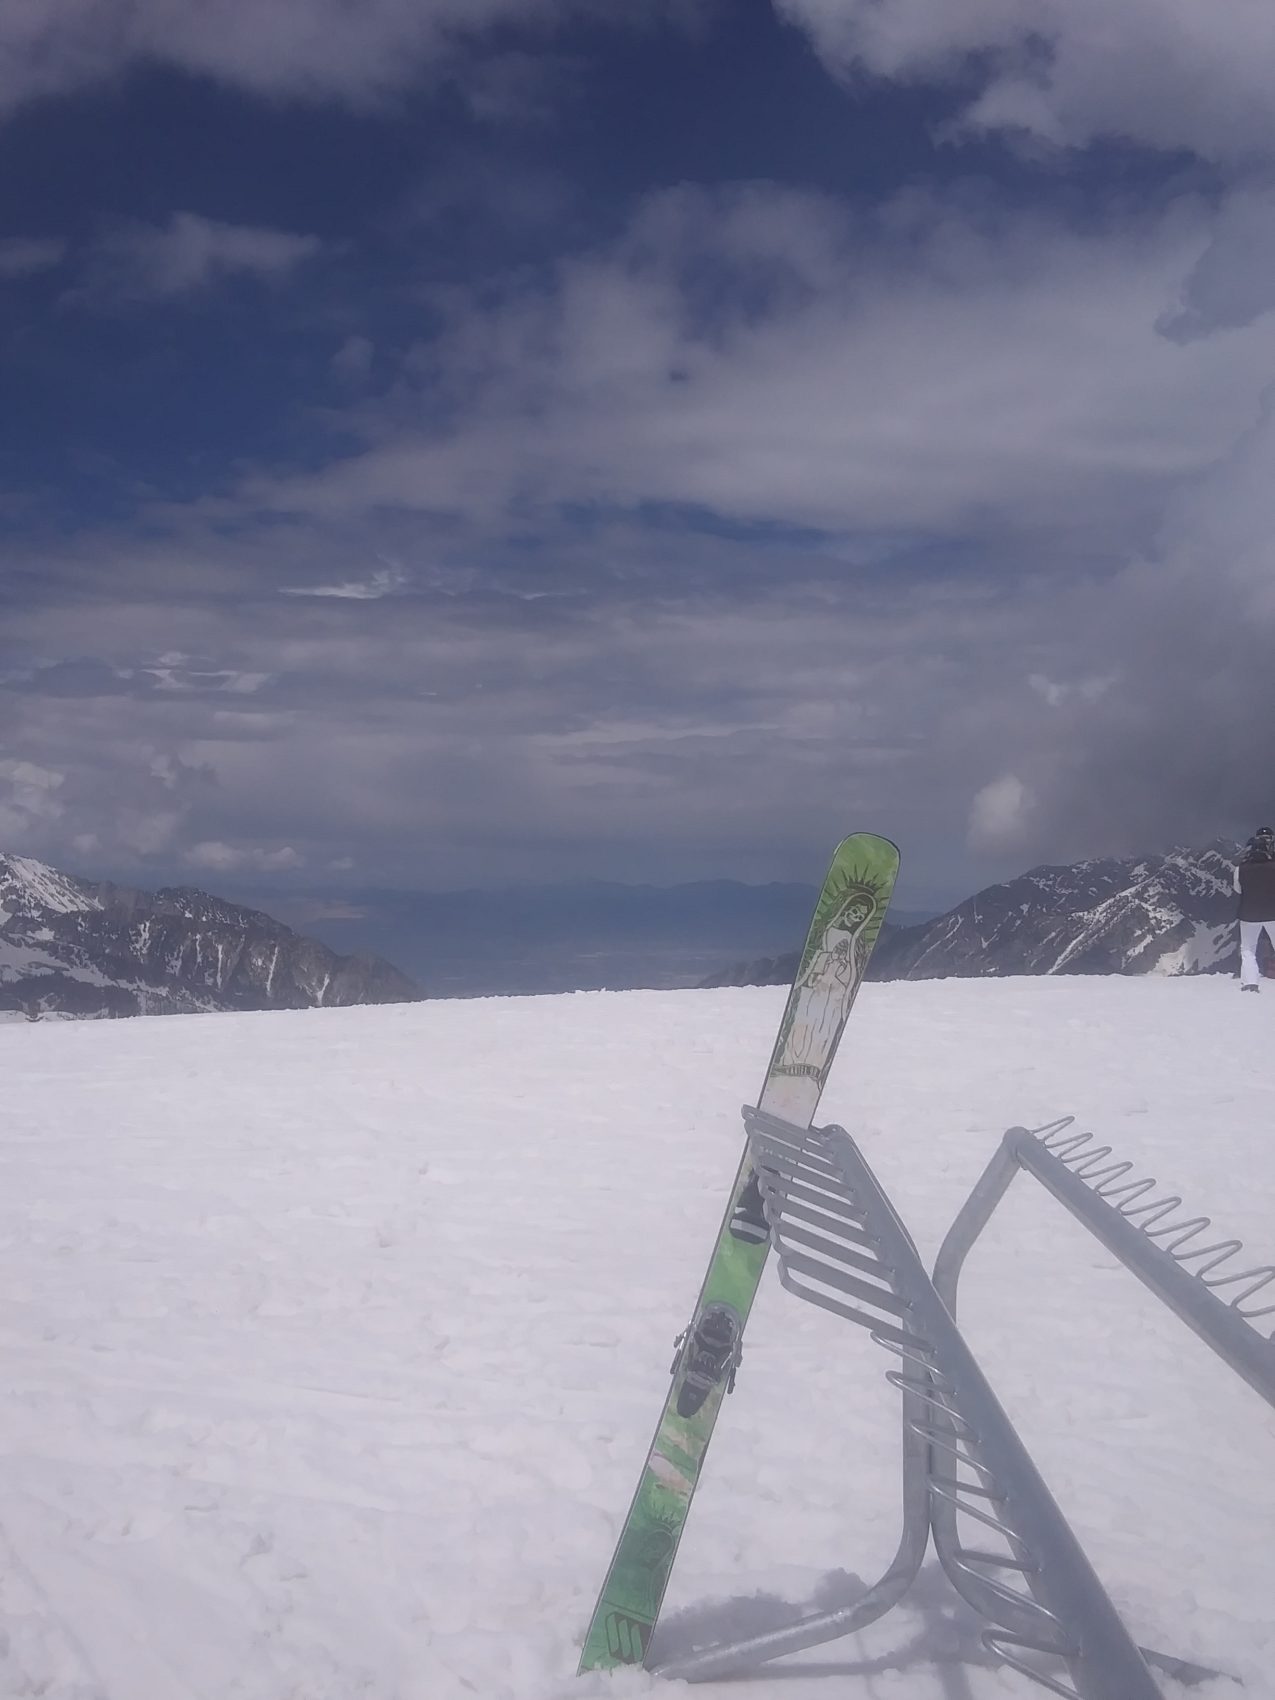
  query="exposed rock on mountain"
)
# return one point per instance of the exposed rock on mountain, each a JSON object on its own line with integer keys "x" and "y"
{"x": 1172, "y": 914}
{"x": 82, "y": 948}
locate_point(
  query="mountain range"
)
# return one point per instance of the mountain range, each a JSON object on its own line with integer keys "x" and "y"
{"x": 1169, "y": 914}
{"x": 79, "y": 947}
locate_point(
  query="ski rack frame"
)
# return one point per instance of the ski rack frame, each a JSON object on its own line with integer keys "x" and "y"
{"x": 841, "y": 1245}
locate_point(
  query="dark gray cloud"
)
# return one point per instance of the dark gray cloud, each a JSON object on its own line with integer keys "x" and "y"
{"x": 1232, "y": 284}
{"x": 634, "y": 728}
{"x": 657, "y": 737}
{"x": 1173, "y": 744}
{"x": 404, "y": 733}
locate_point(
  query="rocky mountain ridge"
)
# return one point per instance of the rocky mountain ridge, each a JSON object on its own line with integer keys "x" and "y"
{"x": 74, "y": 947}
{"x": 1164, "y": 914}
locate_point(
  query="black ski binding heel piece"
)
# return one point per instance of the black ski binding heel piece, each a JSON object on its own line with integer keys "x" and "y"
{"x": 748, "y": 1219}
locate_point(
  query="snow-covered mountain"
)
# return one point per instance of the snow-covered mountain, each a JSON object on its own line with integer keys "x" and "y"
{"x": 1171, "y": 914}
{"x": 84, "y": 948}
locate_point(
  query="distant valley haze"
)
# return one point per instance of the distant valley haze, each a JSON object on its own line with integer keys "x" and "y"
{"x": 564, "y": 938}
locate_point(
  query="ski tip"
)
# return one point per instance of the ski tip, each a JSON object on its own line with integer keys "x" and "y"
{"x": 865, "y": 837}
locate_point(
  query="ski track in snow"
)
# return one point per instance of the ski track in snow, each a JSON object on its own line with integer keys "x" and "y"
{"x": 332, "y": 1341}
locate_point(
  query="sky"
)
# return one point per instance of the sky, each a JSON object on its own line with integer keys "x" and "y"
{"x": 480, "y": 442}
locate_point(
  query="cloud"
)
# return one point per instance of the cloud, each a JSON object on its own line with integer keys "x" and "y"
{"x": 1232, "y": 284}
{"x": 127, "y": 791}
{"x": 1176, "y": 748}
{"x": 769, "y": 357}
{"x": 400, "y": 735}
{"x": 300, "y": 49}
{"x": 20, "y": 256}
{"x": 178, "y": 673}
{"x": 187, "y": 256}
{"x": 88, "y": 676}
{"x": 474, "y": 198}
{"x": 1166, "y": 74}
{"x": 1058, "y": 692}
{"x": 352, "y": 362}
{"x": 520, "y": 88}
{"x": 709, "y": 690}
{"x": 145, "y": 832}
{"x": 385, "y": 581}
{"x": 1000, "y": 814}
{"x": 214, "y": 857}
{"x": 29, "y": 801}
{"x": 767, "y": 511}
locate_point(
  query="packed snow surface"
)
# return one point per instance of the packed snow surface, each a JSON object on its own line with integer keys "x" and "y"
{"x": 332, "y": 1341}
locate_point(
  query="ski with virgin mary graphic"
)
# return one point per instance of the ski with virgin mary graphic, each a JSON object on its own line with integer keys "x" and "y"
{"x": 706, "y": 1354}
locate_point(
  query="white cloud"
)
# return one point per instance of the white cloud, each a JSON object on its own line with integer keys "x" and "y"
{"x": 1165, "y": 73}
{"x": 29, "y": 801}
{"x": 177, "y": 673}
{"x": 999, "y": 815}
{"x": 214, "y": 857}
{"x": 935, "y": 367}
{"x": 385, "y": 581}
{"x": 40, "y": 781}
{"x": 121, "y": 789}
{"x": 1058, "y": 692}
{"x": 20, "y": 256}
{"x": 147, "y": 832}
{"x": 306, "y": 49}
{"x": 188, "y": 255}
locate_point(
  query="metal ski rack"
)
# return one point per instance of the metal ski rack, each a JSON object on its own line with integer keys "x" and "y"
{"x": 841, "y": 1245}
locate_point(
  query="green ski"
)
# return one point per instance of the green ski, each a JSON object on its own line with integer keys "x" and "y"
{"x": 846, "y": 922}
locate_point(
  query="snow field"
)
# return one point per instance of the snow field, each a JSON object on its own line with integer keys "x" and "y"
{"x": 332, "y": 1341}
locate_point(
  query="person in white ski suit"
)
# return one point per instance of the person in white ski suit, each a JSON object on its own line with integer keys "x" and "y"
{"x": 1255, "y": 883}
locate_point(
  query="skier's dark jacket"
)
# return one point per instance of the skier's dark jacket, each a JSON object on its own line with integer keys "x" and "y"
{"x": 1256, "y": 883}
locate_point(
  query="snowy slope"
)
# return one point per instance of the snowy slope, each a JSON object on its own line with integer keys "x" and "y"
{"x": 332, "y": 1340}
{"x": 28, "y": 887}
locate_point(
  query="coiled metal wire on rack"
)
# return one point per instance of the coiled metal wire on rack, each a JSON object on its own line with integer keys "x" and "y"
{"x": 1156, "y": 1216}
